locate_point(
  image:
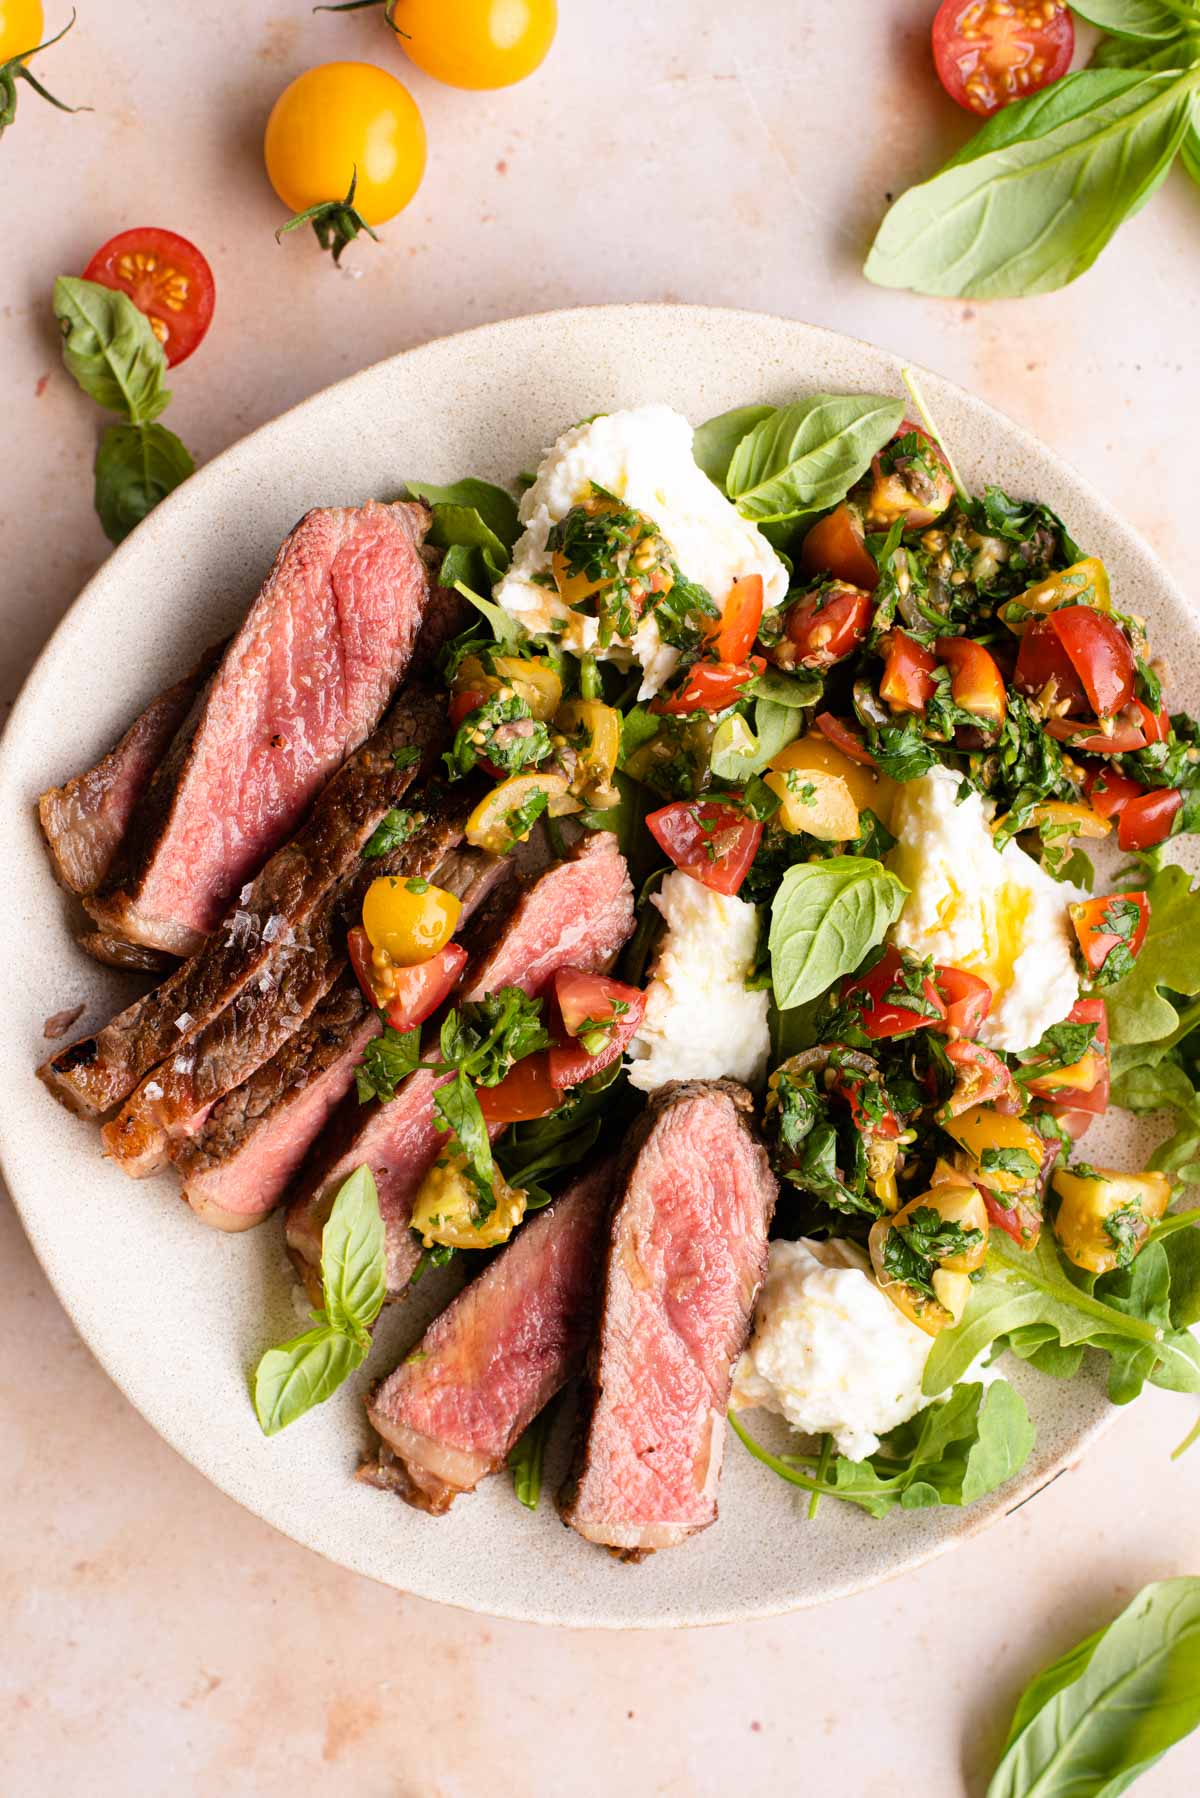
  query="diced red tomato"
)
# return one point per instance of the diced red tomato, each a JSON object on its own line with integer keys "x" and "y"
{"x": 1123, "y": 738}
{"x": 835, "y": 546}
{"x": 1156, "y": 726}
{"x": 526, "y": 1091}
{"x": 881, "y": 1015}
{"x": 887, "y": 1126}
{"x": 709, "y": 687}
{"x": 1020, "y": 1221}
{"x": 976, "y": 683}
{"x": 826, "y": 625}
{"x": 713, "y": 842}
{"x": 981, "y": 1078}
{"x": 968, "y": 999}
{"x": 907, "y": 684}
{"x": 845, "y": 738}
{"x": 1041, "y": 659}
{"x": 413, "y": 993}
{"x": 733, "y": 638}
{"x": 1096, "y": 937}
{"x": 1147, "y": 820}
{"x": 588, "y": 1003}
{"x": 167, "y": 278}
{"x": 1083, "y": 1087}
{"x": 989, "y": 53}
{"x": 1100, "y": 653}
{"x": 1109, "y": 791}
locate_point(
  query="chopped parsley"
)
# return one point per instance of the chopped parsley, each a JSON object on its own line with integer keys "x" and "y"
{"x": 1125, "y": 1229}
{"x": 387, "y": 1060}
{"x": 393, "y": 830}
{"x": 913, "y": 1251}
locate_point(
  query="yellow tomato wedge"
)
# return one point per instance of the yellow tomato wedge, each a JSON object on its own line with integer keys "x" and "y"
{"x": 870, "y": 790}
{"x": 593, "y": 730}
{"x": 510, "y": 811}
{"x": 1064, "y": 818}
{"x": 1084, "y": 583}
{"x": 446, "y": 1208}
{"x": 1104, "y": 1216}
{"x": 813, "y": 801}
{"x": 981, "y": 1130}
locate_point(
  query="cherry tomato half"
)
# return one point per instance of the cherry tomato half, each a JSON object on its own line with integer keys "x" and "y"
{"x": 1042, "y": 659}
{"x": 968, "y": 999}
{"x": 1084, "y": 1086}
{"x": 412, "y": 994}
{"x": 1109, "y": 791}
{"x": 733, "y": 637}
{"x": 712, "y": 842}
{"x": 709, "y": 687}
{"x": 599, "y": 1016}
{"x": 907, "y": 684}
{"x": 526, "y": 1091}
{"x": 476, "y": 43}
{"x": 1095, "y": 934}
{"x": 976, "y": 683}
{"x": 167, "y": 278}
{"x": 981, "y": 1078}
{"x": 835, "y": 546}
{"x": 824, "y": 626}
{"x": 1147, "y": 820}
{"x": 989, "y": 53}
{"x": 845, "y": 738}
{"x": 882, "y": 1014}
{"x": 1100, "y": 653}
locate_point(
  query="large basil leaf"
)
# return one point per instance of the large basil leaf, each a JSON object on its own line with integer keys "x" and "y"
{"x": 1111, "y": 1707}
{"x": 824, "y": 918}
{"x": 807, "y": 456}
{"x": 775, "y": 726}
{"x": 1190, "y": 152}
{"x": 136, "y": 466}
{"x": 353, "y": 1257}
{"x": 305, "y": 1372}
{"x": 714, "y": 442}
{"x": 1145, "y": 20}
{"x": 110, "y": 349}
{"x": 1028, "y": 204}
{"x": 496, "y": 509}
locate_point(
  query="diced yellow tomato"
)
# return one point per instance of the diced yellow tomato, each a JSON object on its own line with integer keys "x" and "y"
{"x": 496, "y": 823}
{"x": 955, "y": 1202}
{"x": 1104, "y": 1216}
{"x": 446, "y": 1208}
{"x": 1084, "y": 583}
{"x": 1064, "y": 819}
{"x": 409, "y": 920}
{"x": 594, "y": 731}
{"x": 812, "y": 801}
{"x": 980, "y": 1129}
{"x": 534, "y": 680}
{"x": 869, "y": 789}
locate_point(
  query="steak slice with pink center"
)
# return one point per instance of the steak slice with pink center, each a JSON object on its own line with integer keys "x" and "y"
{"x": 686, "y": 1255}
{"x": 302, "y": 684}
{"x": 579, "y": 913}
{"x": 452, "y": 1411}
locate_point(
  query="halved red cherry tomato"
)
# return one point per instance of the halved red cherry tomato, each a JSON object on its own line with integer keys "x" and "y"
{"x": 412, "y": 994}
{"x": 1097, "y": 938}
{"x": 826, "y": 625}
{"x": 887, "y": 1126}
{"x": 1147, "y": 820}
{"x": 981, "y": 1078}
{"x": 712, "y": 842}
{"x": 976, "y": 683}
{"x": 167, "y": 278}
{"x": 881, "y": 1014}
{"x": 845, "y": 738}
{"x": 907, "y": 684}
{"x": 526, "y": 1091}
{"x": 1100, "y": 653}
{"x": 733, "y": 637}
{"x": 1109, "y": 791}
{"x": 1041, "y": 659}
{"x": 989, "y": 53}
{"x": 709, "y": 687}
{"x": 1022, "y": 1222}
{"x": 596, "y": 1030}
{"x": 1084, "y": 1085}
{"x": 835, "y": 546}
{"x": 1123, "y": 735}
{"x": 968, "y": 999}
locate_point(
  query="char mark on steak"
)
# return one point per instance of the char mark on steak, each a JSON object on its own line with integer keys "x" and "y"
{"x": 85, "y": 819}
{"x": 94, "y": 1075}
{"x": 686, "y": 1255}
{"x": 451, "y": 1412}
{"x": 579, "y": 913}
{"x": 302, "y": 684}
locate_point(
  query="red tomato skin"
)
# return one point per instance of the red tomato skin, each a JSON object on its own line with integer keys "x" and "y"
{"x": 178, "y": 304}
{"x": 741, "y": 615}
{"x": 995, "y": 63}
{"x": 825, "y": 626}
{"x": 988, "y": 1081}
{"x": 882, "y": 1018}
{"x": 845, "y": 738}
{"x": 1147, "y": 820}
{"x": 1125, "y": 736}
{"x": 968, "y": 999}
{"x": 887, "y": 1127}
{"x": 1095, "y": 940}
{"x": 709, "y": 687}
{"x": 976, "y": 682}
{"x": 907, "y": 684}
{"x": 581, "y": 996}
{"x": 1020, "y": 1222}
{"x": 679, "y": 831}
{"x": 1109, "y": 791}
{"x": 1100, "y": 653}
{"x": 417, "y": 991}
{"x": 527, "y": 1091}
{"x": 835, "y": 546}
{"x": 1043, "y": 658}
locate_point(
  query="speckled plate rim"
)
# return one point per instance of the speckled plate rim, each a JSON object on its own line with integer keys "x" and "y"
{"x": 42, "y": 1150}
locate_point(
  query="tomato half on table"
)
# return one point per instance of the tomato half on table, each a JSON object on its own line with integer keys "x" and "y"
{"x": 835, "y": 546}
{"x": 1148, "y": 820}
{"x": 989, "y": 53}
{"x": 824, "y": 626}
{"x": 167, "y": 278}
{"x": 879, "y": 996}
{"x": 714, "y": 843}
{"x": 732, "y": 636}
{"x": 709, "y": 687}
{"x": 527, "y": 1091}
{"x": 412, "y": 994}
{"x": 599, "y": 1016}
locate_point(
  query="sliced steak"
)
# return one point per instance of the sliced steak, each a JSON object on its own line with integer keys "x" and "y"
{"x": 302, "y": 684}
{"x": 93, "y": 1075}
{"x": 686, "y": 1255}
{"x": 115, "y": 952}
{"x": 85, "y": 819}
{"x": 577, "y": 914}
{"x": 484, "y": 1369}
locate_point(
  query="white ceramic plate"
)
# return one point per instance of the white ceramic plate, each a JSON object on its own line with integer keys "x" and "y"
{"x": 176, "y": 1313}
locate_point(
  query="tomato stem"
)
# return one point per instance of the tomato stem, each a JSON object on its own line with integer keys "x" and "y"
{"x": 389, "y": 11}
{"x": 335, "y": 222}
{"x": 14, "y": 70}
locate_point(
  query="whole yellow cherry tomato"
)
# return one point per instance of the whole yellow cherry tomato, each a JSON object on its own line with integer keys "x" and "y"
{"x": 476, "y": 43}
{"x": 21, "y": 25}
{"x": 341, "y": 118}
{"x": 409, "y": 919}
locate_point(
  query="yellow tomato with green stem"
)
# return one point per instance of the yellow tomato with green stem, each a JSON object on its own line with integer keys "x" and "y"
{"x": 21, "y": 25}
{"x": 475, "y": 43}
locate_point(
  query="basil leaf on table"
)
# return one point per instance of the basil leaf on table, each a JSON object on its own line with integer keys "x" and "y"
{"x": 774, "y": 727}
{"x": 493, "y": 506}
{"x": 136, "y": 466}
{"x": 1028, "y": 204}
{"x": 824, "y": 919}
{"x": 714, "y": 442}
{"x": 1146, "y": 21}
{"x": 806, "y": 457}
{"x": 1103, "y": 1714}
{"x": 110, "y": 349}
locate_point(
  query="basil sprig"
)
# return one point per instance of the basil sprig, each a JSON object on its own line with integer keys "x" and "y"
{"x": 805, "y": 457}
{"x": 290, "y": 1380}
{"x": 825, "y": 917}
{"x": 114, "y": 356}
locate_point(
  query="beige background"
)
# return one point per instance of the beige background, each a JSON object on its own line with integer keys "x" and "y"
{"x": 152, "y": 1636}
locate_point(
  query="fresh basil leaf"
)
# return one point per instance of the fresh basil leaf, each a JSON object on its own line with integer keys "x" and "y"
{"x": 1189, "y": 152}
{"x": 353, "y": 1257}
{"x": 775, "y": 726}
{"x": 1138, "y": 1009}
{"x": 111, "y": 351}
{"x": 1113, "y": 1706}
{"x": 136, "y": 466}
{"x": 824, "y": 918}
{"x": 1145, "y": 20}
{"x": 715, "y": 441}
{"x": 290, "y": 1380}
{"x": 456, "y": 1109}
{"x": 806, "y": 457}
{"x": 495, "y": 509}
{"x": 638, "y": 727}
{"x": 804, "y": 688}
{"x": 1028, "y": 204}
{"x": 525, "y": 1458}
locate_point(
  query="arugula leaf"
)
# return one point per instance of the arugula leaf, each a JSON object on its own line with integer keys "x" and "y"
{"x": 111, "y": 351}
{"x": 1028, "y": 204}
{"x": 387, "y": 1059}
{"x": 495, "y": 509}
{"x": 136, "y": 466}
{"x": 1138, "y": 1008}
{"x": 1094, "y": 1721}
{"x": 505, "y": 628}
{"x": 714, "y": 442}
{"x": 393, "y": 830}
{"x": 824, "y": 918}
{"x": 740, "y": 751}
{"x": 806, "y": 457}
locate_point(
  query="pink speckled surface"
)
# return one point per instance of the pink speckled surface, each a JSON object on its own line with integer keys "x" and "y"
{"x": 155, "y": 1636}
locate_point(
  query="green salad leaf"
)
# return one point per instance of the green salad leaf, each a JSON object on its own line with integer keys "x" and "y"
{"x": 495, "y": 509}
{"x": 1139, "y": 1010}
{"x": 740, "y": 750}
{"x": 714, "y": 442}
{"x": 111, "y": 351}
{"x": 806, "y": 457}
{"x": 825, "y": 917}
{"x": 136, "y": 466}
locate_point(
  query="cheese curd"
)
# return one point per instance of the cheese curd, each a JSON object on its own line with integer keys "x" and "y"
{"x": 829, "y": 1351}
{"x": 995, "y": 913}
{"x": 643, "y": 457}
{"x": 700, "y": 1022}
